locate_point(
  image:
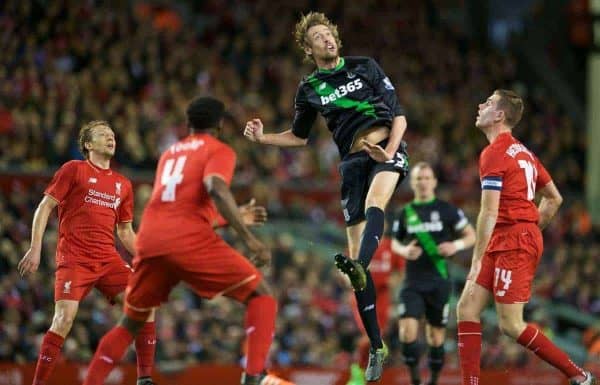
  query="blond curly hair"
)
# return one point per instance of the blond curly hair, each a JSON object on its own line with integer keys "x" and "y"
{"x": 310, "y": 20}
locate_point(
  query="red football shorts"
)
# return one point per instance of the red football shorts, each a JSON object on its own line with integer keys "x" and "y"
{"x": 382, "y": 306}
{"x": 509, "y": 263}
{"x": 213, "y": 270}
{"x": 74, "y": 281}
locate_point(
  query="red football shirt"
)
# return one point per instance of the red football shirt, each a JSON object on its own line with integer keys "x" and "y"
{"x": 91, "y": 201}
{"x": 180, "y": 213}
{"x": 506, "y": 165}
{"x": 384, "y": 262}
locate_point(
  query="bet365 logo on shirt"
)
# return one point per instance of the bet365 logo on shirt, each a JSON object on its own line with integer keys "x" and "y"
{"x": 341, "y": 91}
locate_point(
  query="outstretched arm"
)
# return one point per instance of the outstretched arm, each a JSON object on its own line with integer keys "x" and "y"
{"x": 254, "y": 132}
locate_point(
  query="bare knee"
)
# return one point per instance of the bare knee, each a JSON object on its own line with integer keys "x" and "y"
{"x": 436, "y": 340}
{"x": 435, "y": 336}
{"x": 375, "y": 202}
{"x": 408, "y": 330}
{"x": 510, "y": 325}
{"x": 472, "y": 302}
{"x": 465, "y": 311}
{"x": 63, "y": 321}
{"x": 381, "y": 189}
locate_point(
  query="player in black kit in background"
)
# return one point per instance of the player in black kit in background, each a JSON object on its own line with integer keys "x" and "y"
{"x": 426, "y": 232}
{"x": 359, "y": 103}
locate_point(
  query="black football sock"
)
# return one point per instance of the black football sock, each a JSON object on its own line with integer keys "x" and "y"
{"x": 371, "y": 235}
{"x": 411, "y": 353}
{"x": 436, "y": 362}
{"x": 365, "y": 300}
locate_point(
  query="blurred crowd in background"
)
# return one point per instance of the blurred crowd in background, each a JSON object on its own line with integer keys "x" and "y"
{"x": 65, "y": 63}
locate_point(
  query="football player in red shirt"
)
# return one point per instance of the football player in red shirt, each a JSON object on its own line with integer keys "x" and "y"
{"x": 92, "y": 199}
{"x": 509, "y": 241}
{"x": 176, "y": 242}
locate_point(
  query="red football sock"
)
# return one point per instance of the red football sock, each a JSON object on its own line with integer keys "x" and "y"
{"x": 49, "y": 354}
{"x": 111, "y": 349}
{"x": 260, "y": 327}
{"x": 469, "y": 351}
{"x": 534, "y": 340}
{"x": 363, "y": 352}
{"x": 145, "y": 346}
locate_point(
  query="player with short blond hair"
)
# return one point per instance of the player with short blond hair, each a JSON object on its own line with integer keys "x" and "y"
{"x": 92, "y": 200}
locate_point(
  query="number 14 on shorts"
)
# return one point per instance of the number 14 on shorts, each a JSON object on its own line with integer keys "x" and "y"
{"x": 504, "y": 276}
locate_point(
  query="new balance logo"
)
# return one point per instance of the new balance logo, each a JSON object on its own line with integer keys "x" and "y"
{"x": 93, "y": 180}
{"x": 369, "y": 307}
{"x": 250, "y": 330}
{"x": 377, "y": 239}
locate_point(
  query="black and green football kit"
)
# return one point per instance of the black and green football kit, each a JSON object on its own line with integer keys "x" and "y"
{"x": 352, "y": 97}
{"x": 426, "y": 288}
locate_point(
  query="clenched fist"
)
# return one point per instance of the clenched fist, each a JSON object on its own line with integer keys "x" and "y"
{"x": 254, "y": 130}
